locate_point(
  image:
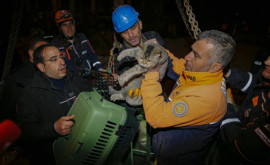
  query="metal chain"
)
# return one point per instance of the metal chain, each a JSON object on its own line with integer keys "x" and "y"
{"x": 181, "y": 10}
{"x": 192, "y": 20}
{"x": 15, "y": 26}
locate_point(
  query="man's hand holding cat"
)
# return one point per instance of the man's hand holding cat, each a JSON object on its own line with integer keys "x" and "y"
{"x": 154, "y": 41}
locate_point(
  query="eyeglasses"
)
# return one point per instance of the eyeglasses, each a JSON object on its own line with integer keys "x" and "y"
{"x": 55, "y": 58}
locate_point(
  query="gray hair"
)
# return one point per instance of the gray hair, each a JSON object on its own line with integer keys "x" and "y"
{"x": 224, "y": 45}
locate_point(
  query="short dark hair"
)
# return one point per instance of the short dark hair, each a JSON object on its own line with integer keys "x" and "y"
{"x": 38, "y": 53}
{"x": 35, "y": 40}
{"x": 225, "y": 45}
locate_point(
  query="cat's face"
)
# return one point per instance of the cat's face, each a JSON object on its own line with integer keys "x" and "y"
{"x": 150, "y": 57}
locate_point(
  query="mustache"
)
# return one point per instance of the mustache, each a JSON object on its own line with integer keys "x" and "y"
{"x": 62, "y": 66}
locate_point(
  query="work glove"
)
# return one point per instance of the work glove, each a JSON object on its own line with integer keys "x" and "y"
{"x": 135, "y": 98}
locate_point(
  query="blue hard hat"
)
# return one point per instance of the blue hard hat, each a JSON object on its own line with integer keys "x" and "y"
{"x": 124, "y": 17}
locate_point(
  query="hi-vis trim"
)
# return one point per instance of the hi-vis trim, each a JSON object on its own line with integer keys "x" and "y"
{"x": 84, "y": 52}
{"x": 180, "y": 109}
{"x": 96, "y": 63}
{"x": 264, "y": 138}
{"x": 67, "y": 100}
{"x": 223, "y": 87}
{"x": 230, "y": 120}
{"x": 84, "y": 41}
{"x": 248, "y": 83}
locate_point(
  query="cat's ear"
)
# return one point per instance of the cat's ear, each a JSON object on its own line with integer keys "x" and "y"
{"x": 128, "y": 53}
{"x": 159, "y": 54}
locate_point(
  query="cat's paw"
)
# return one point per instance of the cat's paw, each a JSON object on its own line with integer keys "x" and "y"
{"x": 115, "y": 97}
{"x": 134, "y": 101}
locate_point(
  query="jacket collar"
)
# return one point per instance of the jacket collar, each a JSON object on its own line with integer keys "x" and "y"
{"x": 202, "y": 77}
{"x": 40, "y": 80}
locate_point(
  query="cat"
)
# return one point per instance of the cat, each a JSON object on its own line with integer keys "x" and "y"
{"x": 148, "y": 55}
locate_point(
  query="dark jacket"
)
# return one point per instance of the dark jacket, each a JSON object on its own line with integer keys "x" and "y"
{"x": 248, "y": 132}
{"x": 43, "y": 104}
{"x": 12, "y": 89}
{"x": 80, "y": 56}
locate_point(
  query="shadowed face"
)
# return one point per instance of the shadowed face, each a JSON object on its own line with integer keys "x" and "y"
{"x": 266, "y": 72}
{"x": 133, "y": 35}
{"x": 68, "y": 28}
{"x": 31, "y": 51}
{"x": 54, "y": 65}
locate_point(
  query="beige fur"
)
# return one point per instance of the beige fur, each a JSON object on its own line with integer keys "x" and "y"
{"x": 148, "y": 55}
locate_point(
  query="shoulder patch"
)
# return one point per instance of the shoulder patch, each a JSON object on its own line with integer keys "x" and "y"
{"x": 180, "y": 109}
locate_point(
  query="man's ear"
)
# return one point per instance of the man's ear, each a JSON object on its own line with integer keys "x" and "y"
{"x": 215, "y": 67}
{"x": 30, "y": 53}
{"x": 140, "y": 24}
{"x": 41, "y": 67}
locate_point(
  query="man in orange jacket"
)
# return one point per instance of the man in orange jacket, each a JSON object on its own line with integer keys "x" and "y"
{"x": 186, "y": 124}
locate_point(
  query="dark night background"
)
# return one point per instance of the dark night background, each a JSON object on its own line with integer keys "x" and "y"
{"x": 246, "y": 21}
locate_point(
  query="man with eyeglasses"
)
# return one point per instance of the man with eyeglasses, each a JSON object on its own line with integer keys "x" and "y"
{"x": 78, "y": 53}
{"x": 42, "y": 113}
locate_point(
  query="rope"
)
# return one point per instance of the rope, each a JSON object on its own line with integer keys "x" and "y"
{"x": 13, "y": 37}
{"x": 114, "y": 50}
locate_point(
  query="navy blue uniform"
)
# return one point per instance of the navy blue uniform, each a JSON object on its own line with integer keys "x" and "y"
{"x": 79, "y": 55}
{"x": 248, "y": 131}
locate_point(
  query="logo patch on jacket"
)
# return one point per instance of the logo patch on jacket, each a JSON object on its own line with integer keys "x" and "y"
{"x": 191, "y": 78}
{"x": 264, "y": 138}
{"x": 255, "y": 100}
{"x": 63, "y": 54}
{"x": 180, "y": 109}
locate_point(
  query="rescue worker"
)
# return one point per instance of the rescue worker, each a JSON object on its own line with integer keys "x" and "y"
{"x": 186, "y": 124}
{"x": 19, "y": 78}
{"x": 77, "y": 50}
{"x": 42, "y": 113}
{"x": 246, "y": 133}
{"x": 128, "y": 25}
